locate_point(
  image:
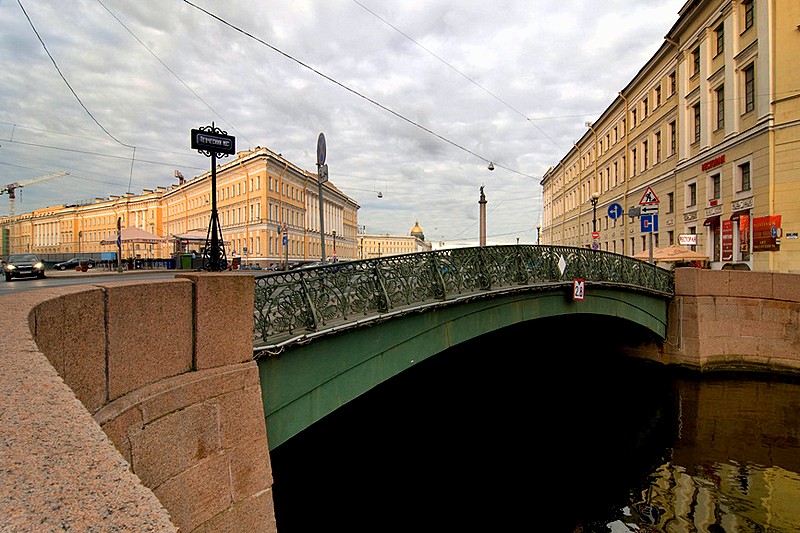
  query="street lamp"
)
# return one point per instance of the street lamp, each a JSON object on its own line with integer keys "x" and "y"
{"x": 595, "y": 197}
{"x": 334, "y": 244}
{"x": 538, "y": 232}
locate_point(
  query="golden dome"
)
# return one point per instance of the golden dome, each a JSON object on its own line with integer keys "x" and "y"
{"x": 416, "y": 231}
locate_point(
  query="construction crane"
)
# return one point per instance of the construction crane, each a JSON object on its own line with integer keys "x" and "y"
{"x": 11, "y": 188}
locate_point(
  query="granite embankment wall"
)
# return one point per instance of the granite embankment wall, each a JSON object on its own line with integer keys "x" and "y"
{"x": 133, "y": 406}
{"x": 733, "y": 320}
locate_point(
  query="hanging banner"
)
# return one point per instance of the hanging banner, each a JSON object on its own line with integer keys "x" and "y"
{"x": 744, "y": 235}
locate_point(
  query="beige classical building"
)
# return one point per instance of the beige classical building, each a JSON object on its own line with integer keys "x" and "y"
{"x": 372, "y": 246}
{"x": 705, "y": 138}
{"x": 261, "y": 198}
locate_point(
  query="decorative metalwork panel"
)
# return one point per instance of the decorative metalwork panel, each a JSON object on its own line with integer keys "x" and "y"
{"x": 295, "y": 302}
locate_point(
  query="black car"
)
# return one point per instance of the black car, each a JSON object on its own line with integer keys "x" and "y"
{"x": 23, "y": 265}
{"x": 74, "y": 263}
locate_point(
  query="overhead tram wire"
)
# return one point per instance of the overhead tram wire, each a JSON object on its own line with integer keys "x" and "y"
{"x": 170, "y": 70}
{"x": 469, "y": 79}
{"x": 353, "y": 91}
{"x": 133, "y": 157}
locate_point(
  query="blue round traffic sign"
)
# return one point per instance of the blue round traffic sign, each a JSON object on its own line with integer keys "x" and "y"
{"x": 614, "y": 211}
{"x": 321, "y": 149}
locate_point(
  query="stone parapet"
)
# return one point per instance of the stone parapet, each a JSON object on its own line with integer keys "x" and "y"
{"x": 734, "y": 320}
{"x": 129, "y": 406}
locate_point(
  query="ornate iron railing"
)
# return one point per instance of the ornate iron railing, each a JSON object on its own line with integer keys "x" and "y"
{"x": 296, "y": 302}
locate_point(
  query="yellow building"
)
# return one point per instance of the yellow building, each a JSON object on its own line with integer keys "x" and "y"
{"x": 261, "y": 198}
{"x": 372, "y": 246}
{"x": 710, "y": 129}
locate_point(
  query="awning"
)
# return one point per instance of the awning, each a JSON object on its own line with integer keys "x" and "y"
{"x": 711, "y": 221}
{"x": 737, "y": 214}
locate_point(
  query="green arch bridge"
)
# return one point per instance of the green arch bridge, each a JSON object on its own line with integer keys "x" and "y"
{"x": 327, "y": 334}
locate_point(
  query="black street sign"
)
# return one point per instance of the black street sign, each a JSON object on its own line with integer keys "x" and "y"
{"x": 213, "y": 142}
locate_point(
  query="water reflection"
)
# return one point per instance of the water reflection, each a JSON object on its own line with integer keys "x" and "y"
{"x": 499, "y": 435}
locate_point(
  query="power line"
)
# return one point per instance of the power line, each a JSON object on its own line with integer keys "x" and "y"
{"x": 65, "y": 79}
{"x": 133, "y": 158}
{"x": 74, "y": 150}
{"x": 353, "y": 91}
{"x": 454, "y": 69}
{"x": 169, "y": 69}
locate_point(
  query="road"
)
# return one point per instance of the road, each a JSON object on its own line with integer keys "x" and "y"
{"x": 54, "y": 278}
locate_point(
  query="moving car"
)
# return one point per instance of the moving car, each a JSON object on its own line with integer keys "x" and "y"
{"x": 23, "y": 265}
{"x": 70, "y": 264}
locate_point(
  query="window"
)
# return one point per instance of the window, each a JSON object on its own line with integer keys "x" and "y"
{"x": 673, "y": 137}
{"x": 633, "y": 158}
{"x": 670, "y": 202}
{"x": 713, "y": 186}
{"x": 696, "y": 61}
{"x": 749, "y": 12}
{"x": 645, "y": 108}
{"x": 657, "y": 155}
{"x": 672, "y": 84}
{"x": 691, "y": 195}
{"x": 696, "y": 109}
{"x": 633, "y": 117}
{"x": 720, "y": 92}
{"x": 644, "y": 154}
{"x": 720, "y": 31}
{"x": 658, "y": 96}
{"x": 744, "y": 177}
{"x": 749, "y": 88}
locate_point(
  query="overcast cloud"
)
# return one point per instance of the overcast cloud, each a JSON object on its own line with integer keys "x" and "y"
{"x": 414, "y": 97}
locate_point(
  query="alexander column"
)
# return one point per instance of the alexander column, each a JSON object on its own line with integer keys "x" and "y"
{"x": 482, "y": 203}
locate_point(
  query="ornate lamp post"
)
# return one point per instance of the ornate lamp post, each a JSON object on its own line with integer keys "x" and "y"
{"x": 595, "y": 197}
{"x": 334, "y": 244}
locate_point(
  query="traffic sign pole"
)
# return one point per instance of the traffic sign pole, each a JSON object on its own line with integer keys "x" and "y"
{"x": 321, "y": 155}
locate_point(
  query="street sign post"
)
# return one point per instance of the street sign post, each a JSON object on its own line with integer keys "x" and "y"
{"x": 648, "y": 207}
{"x": 213, "y": 142}
{"x": 322, "y": 177}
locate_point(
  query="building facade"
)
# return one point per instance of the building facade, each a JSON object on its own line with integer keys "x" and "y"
{"x": 372, "y": 246}
{"x": 704, "y": 141}
{"x": 263, "y": 201}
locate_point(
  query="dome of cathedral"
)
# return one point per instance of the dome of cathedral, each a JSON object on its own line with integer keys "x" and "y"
{"x": 416, "y": 231}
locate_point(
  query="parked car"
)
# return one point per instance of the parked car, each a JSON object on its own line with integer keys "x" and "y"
{"x": 23, "y": 265}
{"x": 71, "y": 264}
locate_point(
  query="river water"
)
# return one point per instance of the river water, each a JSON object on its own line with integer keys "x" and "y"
{"x": 545, "y": 427}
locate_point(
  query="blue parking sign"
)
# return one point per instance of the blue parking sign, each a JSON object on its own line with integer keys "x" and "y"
{"x": 649, "y": 223}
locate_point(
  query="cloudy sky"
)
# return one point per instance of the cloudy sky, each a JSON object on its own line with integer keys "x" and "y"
{"x": 415, "y": 97}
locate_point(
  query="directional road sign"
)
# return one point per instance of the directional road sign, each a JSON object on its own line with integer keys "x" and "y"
{"x": 649, "y": 209}
{"x": 614, "y": 211}
{"x": 649, "y": 223}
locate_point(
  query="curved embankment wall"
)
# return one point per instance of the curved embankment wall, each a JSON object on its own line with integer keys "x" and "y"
{"x": 133, "y": 406}
{"x": 732, "y": 320}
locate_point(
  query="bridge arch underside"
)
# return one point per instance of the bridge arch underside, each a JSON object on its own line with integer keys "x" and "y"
{"x": 308, "y": 381}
